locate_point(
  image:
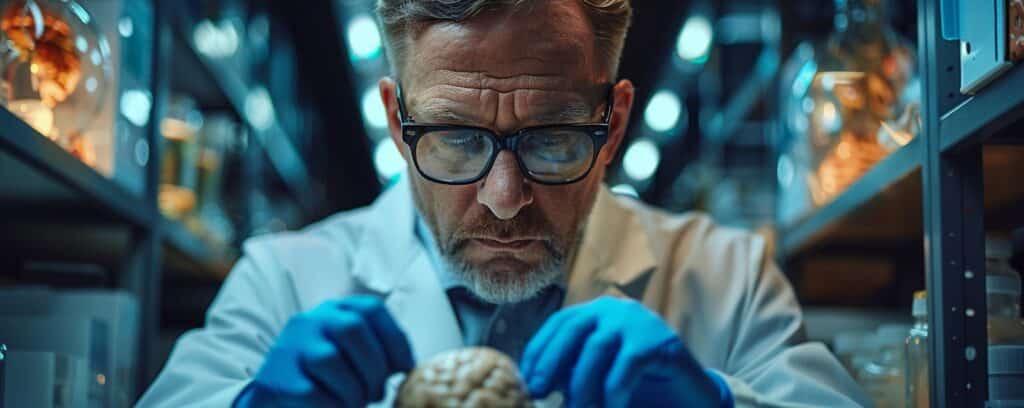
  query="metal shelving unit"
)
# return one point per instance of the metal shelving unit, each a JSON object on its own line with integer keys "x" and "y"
{"x": 957, "y": 182}
{"x": 985, "y": 114}
{"x": 67, "y": 224}
{"x": 36, "y": 171}
{"x": 964, "y": 164}
{"x": 882, "y": 190}
{"x": 284, "y": 157}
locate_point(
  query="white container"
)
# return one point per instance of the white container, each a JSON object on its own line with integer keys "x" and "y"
{"x": 1003, "y": 291}
{"x": 75, "y": 337}
{"x": 116, "y": 312}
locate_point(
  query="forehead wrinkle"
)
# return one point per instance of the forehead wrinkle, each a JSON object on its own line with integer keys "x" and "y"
{"x": 439, "y": 112}
{"x": 475, "y": 105}
{"x": 571, "y": 113}
{"x": 443, "y": 112}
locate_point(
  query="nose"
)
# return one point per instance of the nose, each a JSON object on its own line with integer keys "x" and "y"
{"x": 504, "y": 190}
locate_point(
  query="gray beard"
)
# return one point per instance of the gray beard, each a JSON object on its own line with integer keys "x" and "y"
{"x": 505, "y": 286}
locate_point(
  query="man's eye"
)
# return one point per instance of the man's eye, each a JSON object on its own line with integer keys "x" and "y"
{"x": 461, "y": 141}
{"x": 553, "y": 141}
{"x": 464, "y": 144}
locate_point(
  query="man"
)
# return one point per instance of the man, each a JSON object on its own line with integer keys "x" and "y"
{"x": 502, "y": 234}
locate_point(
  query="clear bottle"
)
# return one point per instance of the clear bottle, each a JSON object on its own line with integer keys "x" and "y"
{"x": 1003, "y": 289}
{"x": 883, "y": 375}
{"x": 917, "y": 354}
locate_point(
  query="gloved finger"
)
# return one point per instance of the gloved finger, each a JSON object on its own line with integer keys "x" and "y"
{"x": 587, "y": 382}
{"x": 676, "y": 375}
{"x": 555, "y": 362}
{"x": 329, "y": 371}
{"x": 538, "y": 343}
{"x": 626, "y": 372}
{"x": 396, "y": 345}
{"x": 357, "y": 342}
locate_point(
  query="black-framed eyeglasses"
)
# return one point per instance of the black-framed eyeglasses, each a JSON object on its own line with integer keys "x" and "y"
{"x": 551, "y": 154}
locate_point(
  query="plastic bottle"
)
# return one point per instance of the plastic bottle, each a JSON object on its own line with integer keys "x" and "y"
{"x": 1002, "y": 287}
{"x": 883, "y": 375}
{"x": 917, "y": 354}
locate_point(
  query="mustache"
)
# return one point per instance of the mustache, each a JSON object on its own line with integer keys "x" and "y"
{"x": 528, "y": 224}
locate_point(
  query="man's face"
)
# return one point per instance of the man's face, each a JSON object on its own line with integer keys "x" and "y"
{"x": 505, "y": 236}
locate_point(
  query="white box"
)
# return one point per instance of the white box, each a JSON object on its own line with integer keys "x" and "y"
{"x": 118, "y": 311}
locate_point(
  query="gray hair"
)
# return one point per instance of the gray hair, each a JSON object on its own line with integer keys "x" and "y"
{"x": 609, "y": 20}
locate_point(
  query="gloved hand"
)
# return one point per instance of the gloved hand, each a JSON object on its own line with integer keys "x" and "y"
{"x": 617, "y": 353}
{"x": 340, "y": 354}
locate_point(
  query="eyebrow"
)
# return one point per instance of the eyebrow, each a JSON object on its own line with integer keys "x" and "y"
{"x": 570, "y": 113}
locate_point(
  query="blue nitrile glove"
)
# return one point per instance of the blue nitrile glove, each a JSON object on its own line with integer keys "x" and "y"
{"x": 617, "y": 353}
{"x": 340, "y": 354}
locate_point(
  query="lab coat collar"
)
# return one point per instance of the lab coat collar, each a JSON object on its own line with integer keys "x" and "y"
{"x": 615, "y": 256}
{"x": 390, "y": 238}
{"x": 392, "y": 263}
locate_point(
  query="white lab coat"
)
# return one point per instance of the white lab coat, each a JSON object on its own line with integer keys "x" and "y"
{"x": 714, "y": 286}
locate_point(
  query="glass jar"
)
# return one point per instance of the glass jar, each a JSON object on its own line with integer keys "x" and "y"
{"x": 219, "y": 139}
{"x": 179, "y": 171}
{"x": 917, "y": 354}
{"x": 883, "y": 374}
{"x": 56, "y": 70}
{"x": 852, "y": 100}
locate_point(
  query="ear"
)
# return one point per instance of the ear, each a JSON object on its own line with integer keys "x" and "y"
{"x": 389, "y": 96}
{"x": 623, "y": 94}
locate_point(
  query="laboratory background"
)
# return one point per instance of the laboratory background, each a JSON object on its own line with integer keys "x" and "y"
{"x": 876, "y": 144}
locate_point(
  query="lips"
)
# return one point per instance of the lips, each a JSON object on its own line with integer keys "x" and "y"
{"x": 508, "y": 245}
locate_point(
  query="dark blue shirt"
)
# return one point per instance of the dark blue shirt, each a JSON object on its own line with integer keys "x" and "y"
{"x": 506, "y": 327}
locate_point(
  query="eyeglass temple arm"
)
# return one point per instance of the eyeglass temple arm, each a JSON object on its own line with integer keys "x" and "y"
{"x": 403, "y": 117}
{"x": 611, "y": 104}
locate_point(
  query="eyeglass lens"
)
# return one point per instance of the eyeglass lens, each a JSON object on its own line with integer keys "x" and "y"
{"x": 549, "y": 155}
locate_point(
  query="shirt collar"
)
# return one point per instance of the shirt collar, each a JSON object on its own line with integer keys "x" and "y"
{"x": 447, "y": 279}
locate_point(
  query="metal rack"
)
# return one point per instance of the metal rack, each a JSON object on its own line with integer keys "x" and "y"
{"x": 883, "y": 189}
{"x": 273, "y": 140}
{"x": 964, "y": 134}
{"x": 65, "y": 223}
{"x": 958, "y": 171}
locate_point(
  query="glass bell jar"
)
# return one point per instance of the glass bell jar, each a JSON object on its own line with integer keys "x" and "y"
{"x": 849, "y": 101}
{"x": 56, "y": 69}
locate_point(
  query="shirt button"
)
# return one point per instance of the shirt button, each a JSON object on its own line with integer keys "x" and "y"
{"x": 500, "y": 326}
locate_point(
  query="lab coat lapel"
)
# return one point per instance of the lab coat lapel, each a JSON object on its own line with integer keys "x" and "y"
{"x": 421, "y": 307}
{"x": 615, "y": 255}
{"x": 391, "y": 262}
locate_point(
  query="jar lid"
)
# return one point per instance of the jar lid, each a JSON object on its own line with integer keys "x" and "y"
{"x": 1006, "y": 359}
{"x": 920, "y": 306}
{"x": 1002, "y": 284}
